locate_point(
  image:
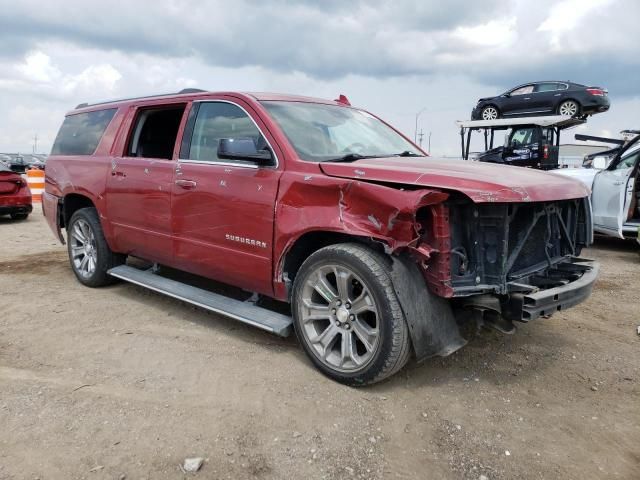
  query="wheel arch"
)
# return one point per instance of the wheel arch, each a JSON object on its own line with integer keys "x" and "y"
{"x": 311, "y": 241}
{"x": 71, "y": 203}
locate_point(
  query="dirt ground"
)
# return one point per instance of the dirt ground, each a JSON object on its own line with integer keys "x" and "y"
{"x": 120, "y": 382}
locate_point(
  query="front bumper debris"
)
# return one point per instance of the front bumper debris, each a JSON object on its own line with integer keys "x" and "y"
{"x": 572, "y": 283}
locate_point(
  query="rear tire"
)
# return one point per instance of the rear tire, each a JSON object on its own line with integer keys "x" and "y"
{"x": 347, "y": 316}
{"x": 19, "y": 216}
{"x": 89, "y": 254}
{"x": 569, "y": 108}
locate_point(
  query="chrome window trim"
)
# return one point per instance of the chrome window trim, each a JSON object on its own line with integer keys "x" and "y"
{"x": 563, "y": 86}
{"x": 234, "y": 164}
{"x": 220, "y": 163}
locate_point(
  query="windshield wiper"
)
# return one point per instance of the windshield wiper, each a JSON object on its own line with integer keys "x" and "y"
{"x": 351, "y": 157}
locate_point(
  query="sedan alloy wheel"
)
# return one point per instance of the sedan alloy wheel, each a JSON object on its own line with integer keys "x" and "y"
{"x": 489, "y": 113}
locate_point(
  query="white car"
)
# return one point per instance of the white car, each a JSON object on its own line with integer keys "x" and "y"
{"x": 615, "y": 191}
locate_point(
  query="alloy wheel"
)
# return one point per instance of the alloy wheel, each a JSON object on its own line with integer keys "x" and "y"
{"x": 568, "y": 108}
{"x": 489, "y": 113}
{"x": 339, "y": 318}
{"x": 84, "y": 253}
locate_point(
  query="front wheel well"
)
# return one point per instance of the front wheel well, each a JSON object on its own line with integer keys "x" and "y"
{"x": 72, "y": 203}
{"x": 311, "y": 242}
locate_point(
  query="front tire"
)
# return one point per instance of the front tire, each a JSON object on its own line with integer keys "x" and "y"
{"x": 569, "y": 108}
{"x": 347, "y": 316}
{"x": 89, "y": 254}
{"x": 489, "y": 113}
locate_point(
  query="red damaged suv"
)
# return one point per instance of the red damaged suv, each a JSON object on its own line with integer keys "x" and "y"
{"x": 15, "y": 196}
{"x": 381, "y": 251}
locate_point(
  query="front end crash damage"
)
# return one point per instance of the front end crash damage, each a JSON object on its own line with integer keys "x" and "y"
{"x": 391, "y": 217}
{"x": 452, "y": 259}
{"x": 519, "y": 261}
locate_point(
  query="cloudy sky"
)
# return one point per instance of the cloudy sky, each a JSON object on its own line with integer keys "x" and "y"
{"x": 392, "y": 57}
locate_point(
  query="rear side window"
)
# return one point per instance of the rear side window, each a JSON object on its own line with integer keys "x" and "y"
{"x": 155, "y": 131}
{"x": 547, "y": 87}
{"x": 81, "y": 133}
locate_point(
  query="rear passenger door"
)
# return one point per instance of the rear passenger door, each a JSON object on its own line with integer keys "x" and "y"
{"x": 544, "y": 96}
{"x": 223, "y": 210}
{"x": 139, "y": 183}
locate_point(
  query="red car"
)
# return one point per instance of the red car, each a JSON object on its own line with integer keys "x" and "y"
{"x": 380, "y": 250}
{"x": 15, "y": 196}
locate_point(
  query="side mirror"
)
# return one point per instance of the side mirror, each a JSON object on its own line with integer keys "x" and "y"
{"x": 506, "y": 95}
{"x": 599, "y": 163}
{"x": 243, "y": 149}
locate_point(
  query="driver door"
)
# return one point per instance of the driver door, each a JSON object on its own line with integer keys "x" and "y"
{"x": 611, "y": 197}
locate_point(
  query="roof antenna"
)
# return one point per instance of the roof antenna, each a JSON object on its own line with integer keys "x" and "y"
{"x": 343, "y": 100}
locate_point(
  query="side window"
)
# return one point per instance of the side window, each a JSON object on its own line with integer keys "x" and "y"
{"x": 81, "y": 133}
{"x": 629, "y": 160}
{"x": 154, "y": 132}
{"x": 546, "y": 87}
{"x": 217, "y": 120}
{"x": 523, "y": 90}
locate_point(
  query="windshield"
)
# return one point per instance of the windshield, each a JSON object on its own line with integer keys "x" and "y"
{"x": 321, "y": 132}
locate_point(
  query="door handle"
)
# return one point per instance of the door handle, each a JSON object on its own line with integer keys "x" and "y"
{"x": 527, "y": 98}
{"x": 186, "y": 184}
{"x": 118, "y": 173}
{"x": 618, "y": 182}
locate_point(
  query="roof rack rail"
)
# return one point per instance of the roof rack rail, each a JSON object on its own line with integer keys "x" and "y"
{"x": 191, "y": 90}
{"x": 181, "y": 92}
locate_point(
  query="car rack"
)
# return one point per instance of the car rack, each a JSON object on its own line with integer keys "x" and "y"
{"x": 488, "y": 127}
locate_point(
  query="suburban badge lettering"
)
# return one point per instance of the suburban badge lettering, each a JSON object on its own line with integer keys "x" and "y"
{"x": 248, "y": 241}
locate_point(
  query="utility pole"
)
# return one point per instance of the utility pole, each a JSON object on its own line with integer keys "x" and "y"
{"x": 429, "y": 148}
{"x": 415, "y": 132}
{"x": 420, "y": 137}
{"x": 35, "y": 143}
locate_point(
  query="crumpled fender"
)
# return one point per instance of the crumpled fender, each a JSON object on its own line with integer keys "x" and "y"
{"x": 385, "y": 212}
{"x": 316, "y": 202}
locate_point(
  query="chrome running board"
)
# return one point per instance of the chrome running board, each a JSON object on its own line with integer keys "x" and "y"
{"x": 243, "y": 311}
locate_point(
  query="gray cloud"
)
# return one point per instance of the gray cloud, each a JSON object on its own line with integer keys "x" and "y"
{"x": 390, "y": 56}
{"x": 325, "y": 39}
{"x": 331, "y": 39}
